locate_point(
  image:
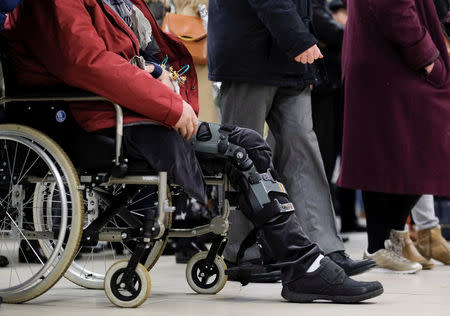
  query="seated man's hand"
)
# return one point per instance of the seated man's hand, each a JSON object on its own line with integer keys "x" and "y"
{"x": 309, "y": 56}
{"x": 187, "y": 125}
{"x": 166, "y": 79}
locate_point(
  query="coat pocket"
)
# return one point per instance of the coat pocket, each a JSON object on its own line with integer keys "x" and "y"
{"x": 438, "y": 76}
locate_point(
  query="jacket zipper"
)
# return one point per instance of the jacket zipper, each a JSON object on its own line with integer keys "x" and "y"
{"x": 120, "y": 25}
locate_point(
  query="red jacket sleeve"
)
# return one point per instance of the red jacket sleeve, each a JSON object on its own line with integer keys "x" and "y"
{"x": 400, "y": 23}
{"x": 64, "y": 40}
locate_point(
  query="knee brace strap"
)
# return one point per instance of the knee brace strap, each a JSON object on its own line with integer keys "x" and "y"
{"x": 270, "y": 211}
{"x": 262, "y": 197}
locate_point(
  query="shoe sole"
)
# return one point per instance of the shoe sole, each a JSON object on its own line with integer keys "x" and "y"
{"x": 309, "y": 298}
{"x": 269, "y": 277}
{"x": 361, "y": 269}
{"x": 387, "y": 270}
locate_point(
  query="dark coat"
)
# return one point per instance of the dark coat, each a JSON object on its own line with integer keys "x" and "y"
{"x": 330, "y": 35}
{"x": 257, "y": 41}
{"x": 397, "y": 119}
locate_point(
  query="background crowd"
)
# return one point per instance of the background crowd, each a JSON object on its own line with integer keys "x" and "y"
{"x": 383, "y": 128}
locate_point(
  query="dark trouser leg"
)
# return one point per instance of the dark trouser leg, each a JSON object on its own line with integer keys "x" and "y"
{"x": 324, "y": 124}
{"x": 346, "y": 199}
{"x": 244, "y": 105}
{"x": 298, "y": 160}
{"x": 284, "y": 243}
{"x": 384, "y": 212}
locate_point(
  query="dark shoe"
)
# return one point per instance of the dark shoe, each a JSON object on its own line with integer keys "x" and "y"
{"x": 252, "y": 272}
{"x": 3, "y": 261}
{"x": 31, "y": 252}
{"x": 353, "y": 228}
{"x": 351, "y": 267}
{"x": 329, "y": 282}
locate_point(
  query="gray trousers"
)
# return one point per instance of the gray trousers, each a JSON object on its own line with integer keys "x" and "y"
{"x": 423, "y": 213}
{"x": 296, "y": 157}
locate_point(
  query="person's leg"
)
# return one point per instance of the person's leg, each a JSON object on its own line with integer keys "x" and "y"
{"x": 165, "y": 150}
{"x": 262, "y": 198}
{"x": 346, "y": 199}
{"x": 423, "y": 213}
{"x": 245, "y": 105}
{"x": 385, "y": 212}
{"x": 306, "y": 274}
{"x": 430, "y": 243}
{"x": 324, "y": 125}
{"x": 301, "y": 168}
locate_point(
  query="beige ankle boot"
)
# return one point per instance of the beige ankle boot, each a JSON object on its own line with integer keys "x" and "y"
{"x": 405, "y": 247}
{"x": 431, "y": 244}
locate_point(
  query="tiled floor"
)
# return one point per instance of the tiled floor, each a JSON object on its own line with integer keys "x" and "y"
{"x": 427, "y": 293}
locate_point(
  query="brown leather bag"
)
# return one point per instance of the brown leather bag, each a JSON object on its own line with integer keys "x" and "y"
{"x": 191, "y": 31}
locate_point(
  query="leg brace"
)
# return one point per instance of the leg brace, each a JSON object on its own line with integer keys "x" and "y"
{"x": 263, "y": 192}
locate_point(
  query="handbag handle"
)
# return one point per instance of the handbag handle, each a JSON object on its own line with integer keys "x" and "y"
{"x": 191, "y": 39}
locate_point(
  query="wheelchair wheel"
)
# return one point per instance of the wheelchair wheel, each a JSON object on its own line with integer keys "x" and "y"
{"x": 91, "y": 263}
{"x": 27, "y": 158}
{"x": 206, "y": 278}
{"x": 121, "y": 296}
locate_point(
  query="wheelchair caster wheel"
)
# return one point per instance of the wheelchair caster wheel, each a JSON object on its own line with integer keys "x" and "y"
{"x": 116, "y": 291}
{"x": 206, "y": 278}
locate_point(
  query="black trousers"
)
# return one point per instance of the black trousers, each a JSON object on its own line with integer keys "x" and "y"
{"x": 385, "y": 211}
{"x": 328, "y": 117}
{"x": 284, "y": 244}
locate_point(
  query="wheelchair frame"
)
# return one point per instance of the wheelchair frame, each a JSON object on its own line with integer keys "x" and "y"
{"x": 218, "y": 226}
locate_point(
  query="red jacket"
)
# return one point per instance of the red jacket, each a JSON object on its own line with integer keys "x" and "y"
{"x": 85, "y": 44}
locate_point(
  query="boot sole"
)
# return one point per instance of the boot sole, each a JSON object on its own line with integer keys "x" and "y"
{"x": 309, "y": 298}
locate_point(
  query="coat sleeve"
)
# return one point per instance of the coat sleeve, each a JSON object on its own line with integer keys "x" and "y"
{"x": 400, "y": 24}
{"x": 330, "y": 32}
{"x": 65, "y": 41}
{"x": 285, "y": 25}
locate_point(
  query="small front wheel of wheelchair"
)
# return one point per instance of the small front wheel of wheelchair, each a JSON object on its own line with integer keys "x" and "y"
{"x": 121, "y": 295}
{"x": 204, "y": 277}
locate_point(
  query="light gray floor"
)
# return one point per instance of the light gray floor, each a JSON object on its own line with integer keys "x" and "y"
{"x": 427, "y": 293}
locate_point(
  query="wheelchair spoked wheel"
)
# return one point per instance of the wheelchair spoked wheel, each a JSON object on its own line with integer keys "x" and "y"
{"x": 204, "y": 277}
{"x": 28, "y": 157}
{"x": 121, "y": 295}
{"x": 91, "y": 263}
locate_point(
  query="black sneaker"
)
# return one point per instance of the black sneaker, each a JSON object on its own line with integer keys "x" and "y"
{"x": 329, "y": 282}
{"x": 3, "y": 261}
{"x": 252, "y": 272}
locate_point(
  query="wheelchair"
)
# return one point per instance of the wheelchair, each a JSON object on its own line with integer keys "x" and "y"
{"x": 56, "y": 211}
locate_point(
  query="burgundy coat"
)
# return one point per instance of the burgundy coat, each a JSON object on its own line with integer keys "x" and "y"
{"x": 397, "y": 119}
{"x": 85, "y": 44}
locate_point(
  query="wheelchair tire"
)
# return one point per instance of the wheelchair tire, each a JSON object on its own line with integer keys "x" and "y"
{"x": 36, "y": 152}
{"x": 86, "y": 272}
{"x": 199, "y": 274}
{"x": 122, "y": 297}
